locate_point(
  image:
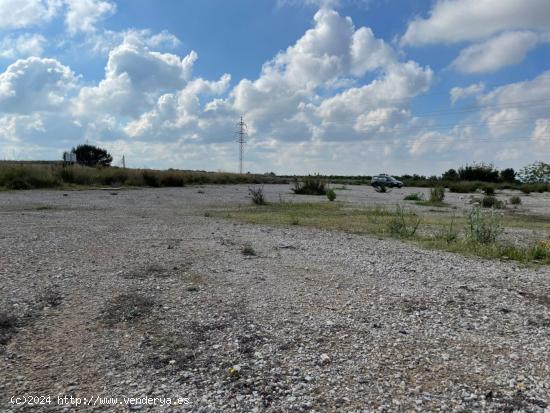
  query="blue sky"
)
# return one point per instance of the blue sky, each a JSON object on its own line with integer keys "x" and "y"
{"x": 341, "y": 87}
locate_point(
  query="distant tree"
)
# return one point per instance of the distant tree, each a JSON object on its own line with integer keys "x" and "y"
{"x": 508, "y": 175}
{"x": 90, "y": 155}
{"x": 450, "y": 175}
{"x": 539, "y": 172}
{"x": 478, "y": 172}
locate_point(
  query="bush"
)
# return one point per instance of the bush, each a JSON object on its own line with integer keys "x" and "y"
{"x": 311, "y": 185}
{"x": 484, "y": 228}
{"x": 464, "y": 187}
{"x": 90, "y": 155}
{"x": 151, "y": 179}
{"x": 415, "y": 196}
{"x": 171, "y": 179}
{"x": 248, "y": 250}
{"x": 403, "y": 224}
{"x": 18, "y": 183}
{"x": 488, "y": 190}
{"x": 257, "y": 195}
{"x": 515, "y": 200}
{"x": 437, "y": 195}
{"x": 478, "y": 172}
{"x": 489, "y": 201}
{"x": 331, "y": 195}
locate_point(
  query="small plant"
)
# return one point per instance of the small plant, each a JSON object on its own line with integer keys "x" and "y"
{"x": 437, "y": 195}
{"x": 449, "y": 233}
{"x": 489, "y": 190}
{"x": 403, "y": 224}
{"x": 257, "y": 195}
{"x": 515, "y": 200}
{"x": 248, "y": 250}
{"x": 415, "y": 196}
{"x": 484, "y": 227}
{"x": 489, "y": 201}
{"x": 331, "y": 195}
{"x": 381, "y": 188}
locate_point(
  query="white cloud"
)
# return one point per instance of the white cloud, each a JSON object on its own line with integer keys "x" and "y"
{"x": 324, "y": 3}
{"x": 503, "y": 50}
{"x": 35, "y": 84}
{"x": 83, "y": 15}
{"x": 17, "y": 14}
{"x": 134, "y": 79}
{"x": 453, "y": 21}
{"x": 24, "y": 45}
{"x": 103, "y": 42}
{"x": 284, "y": 102}
{"x": 458, "y": 93}
{"x": 541, "y": 133}
{"x": 510, "y": 110}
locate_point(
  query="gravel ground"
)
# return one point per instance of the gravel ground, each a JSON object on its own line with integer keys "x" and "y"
{"x": 136, "y": 293}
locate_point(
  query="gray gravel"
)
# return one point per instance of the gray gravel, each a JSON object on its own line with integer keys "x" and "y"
{"x": 136, "y": 293}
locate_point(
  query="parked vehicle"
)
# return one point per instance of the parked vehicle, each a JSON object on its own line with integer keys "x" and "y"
{"x": 386, "y": 181}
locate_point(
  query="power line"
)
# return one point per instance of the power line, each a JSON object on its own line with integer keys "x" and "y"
{"x": 241, "y": 140}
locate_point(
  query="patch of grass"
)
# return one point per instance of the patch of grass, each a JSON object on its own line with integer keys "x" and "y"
{"x": 415, "y": 196}
{"x": 26, "y": 175}
{"x": 403, "y": 224}
{"x": 471, "y": 235}
{"x": 127, "y": 308}
{"x": 515, "y": 200}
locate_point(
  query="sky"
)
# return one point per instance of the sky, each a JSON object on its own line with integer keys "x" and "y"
{"x": 346, "y": 87}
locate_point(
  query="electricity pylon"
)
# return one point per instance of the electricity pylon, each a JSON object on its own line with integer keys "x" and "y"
{"x": 241, "y": 140}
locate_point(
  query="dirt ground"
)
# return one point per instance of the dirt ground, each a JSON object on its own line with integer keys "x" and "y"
{"x": 107, "y": 295}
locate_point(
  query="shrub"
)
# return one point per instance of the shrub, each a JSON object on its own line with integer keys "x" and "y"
{"x": 311, "y": 185}
{"x": 248, "y": 250}
{"x": 171, "y": 179}
{"x": 508, "y": 175}
{"x": 437, "y": 194}
{"x": 464, "y": 187}
{"x": 489, "y": 201}
{"x": 478, "y": 172}
{"x": 403, "y": 224}
{"x": 257, "y": 195}
{"x": 151, "y": 179}
{"x": 415, "y": 196}
{"x": 484, "y": 227}
{"x": 515, "y": 200}
{"x": 331, "y": 195}
{"x": 488, "y": 190}
{"x": 18, "y": 183}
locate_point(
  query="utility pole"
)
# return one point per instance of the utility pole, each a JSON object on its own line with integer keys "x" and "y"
{"x": 241, "y": 140}
{"x": 123, "y": 162}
